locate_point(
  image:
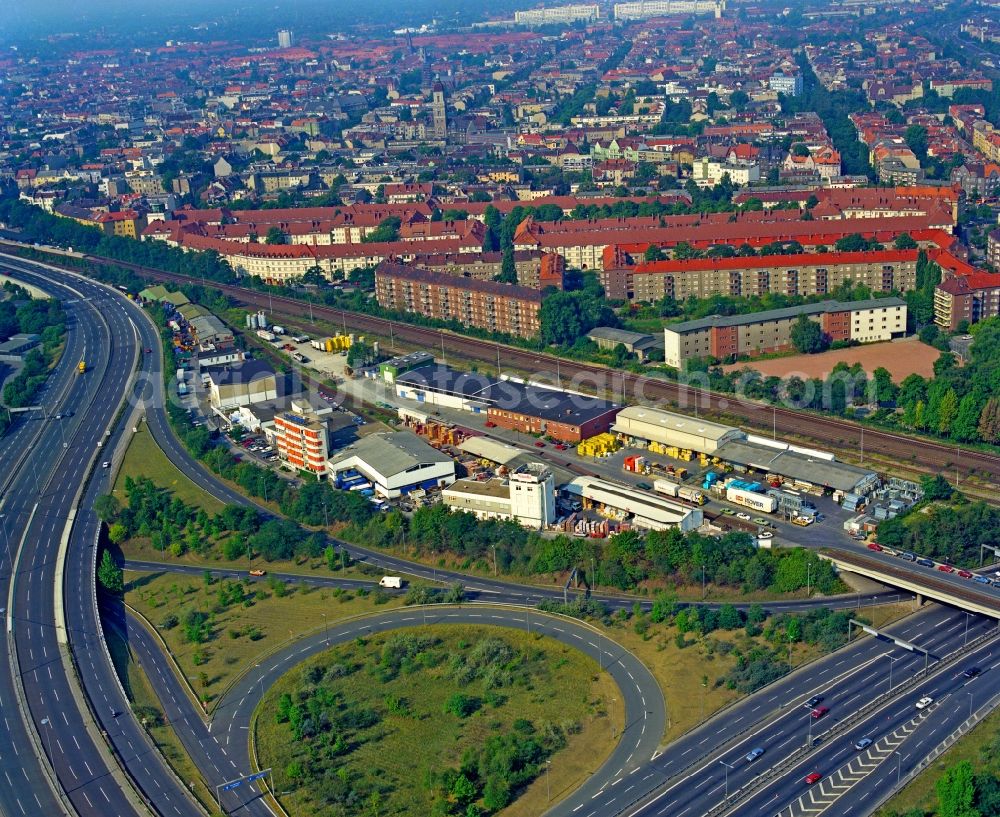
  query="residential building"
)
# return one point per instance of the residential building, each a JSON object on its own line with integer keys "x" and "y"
{"x": 559, "y": 15}
{"x": 802, "y": 274}
{"x": 488, "y": 305}
{"x": 285, "y": 38}
{"x": 644, "y": 9}
{"x": 708, "y": 172}
{"x": 301, "y": 441}
{"x": 966, "y": 298}
{"x": 787, "y": 84}
{"x": 728, "y": 337}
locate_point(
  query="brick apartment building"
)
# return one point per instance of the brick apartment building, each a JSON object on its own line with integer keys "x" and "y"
{"x": 972, "y": 298}
{"x": 534, "y": 269}
{"x": 804, "y": 274}
{"x": 301, "y": 441}
{"x": 723, "y": 337}
{"x": 487, "y": 305}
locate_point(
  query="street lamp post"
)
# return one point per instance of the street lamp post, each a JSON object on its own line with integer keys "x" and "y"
{"x": 704, "y": 593}
{"x": 494, "y": 560}
{"x": 6, "y": 540}
{"x": 48, "y": 739}
{"x": 326, "y": 629}
{"x": 891, "y": 662}
{"x": 966, "y": 640}
{"x": 728, "y": 767}
{"x": 548, "y": 789}
{"x": 899, "y": 766}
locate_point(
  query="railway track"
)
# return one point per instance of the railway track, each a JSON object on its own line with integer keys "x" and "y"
{"x": 839, "y": 435}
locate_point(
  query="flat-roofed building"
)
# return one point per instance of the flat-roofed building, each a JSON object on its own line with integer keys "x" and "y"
{"x": 559, "y": 415}
{"x": 646, "y": 425}
{"x": 724, "y": 337}
{"x": 526, "y": 496}
{"x": 251, "y": 381}
{"x": 301, "y": 440}
{"x": 646, "y": 510}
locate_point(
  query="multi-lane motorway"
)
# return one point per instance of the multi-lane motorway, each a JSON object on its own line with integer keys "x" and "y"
{"x": 686, "y": 779}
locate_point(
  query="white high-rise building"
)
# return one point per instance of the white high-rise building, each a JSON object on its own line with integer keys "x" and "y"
{"x": 285, "y": 38}
{"x": 577, "y": 12}
{"x": 643, "y": 9}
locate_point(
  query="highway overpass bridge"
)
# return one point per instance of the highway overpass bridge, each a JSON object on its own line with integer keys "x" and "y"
{"x": 924, "y": 582}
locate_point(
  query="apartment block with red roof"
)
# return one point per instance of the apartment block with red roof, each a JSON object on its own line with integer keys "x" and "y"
{"x": 803, "y": 274}
{"x": 966, "y": 298}
{"x": 488, "y": 305}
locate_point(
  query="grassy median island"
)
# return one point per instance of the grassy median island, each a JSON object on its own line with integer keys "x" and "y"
{"x": 436, "y": 721}
{"x": 216, "y": 628}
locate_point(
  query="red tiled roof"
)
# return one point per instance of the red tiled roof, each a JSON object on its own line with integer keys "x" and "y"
{"x": 802, "y": 259}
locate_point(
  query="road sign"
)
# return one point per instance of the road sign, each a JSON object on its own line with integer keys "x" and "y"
{"x": 234, "y": 785}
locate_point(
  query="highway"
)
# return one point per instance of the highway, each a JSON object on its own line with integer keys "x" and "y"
{"x": 776, "y": 712}
{"x": 40, "y": 516}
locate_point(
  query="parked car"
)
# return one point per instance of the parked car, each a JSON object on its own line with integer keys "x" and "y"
{"x": 490, "y": 424}
{"x": 981, "y": 579}
{"x": 909, "y": 557}
{"x": 753, "y": 754}
{"x": 819, "y": 712}
{"x": 744, "y": 516}
{"x": 765, "y": 534}
{"x": 925, "y": 563}
{"x": 925, "y": 702}
{"x": 539, "y": 444}
{"x": 862, "y": 744}
{"x": 813, "y": 777}
{"x": 874, "y": 546}
{"x": 645, "y": 486}
{"x": 758, "y": 520}
{"x": 946, "y": 568}
{"x": 965, "y": 574}
{"x": 561, "y": 447}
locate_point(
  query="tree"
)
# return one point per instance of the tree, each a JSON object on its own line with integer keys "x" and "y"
{"x": 807, "y": 336}
{"x": 947, "y": 411}
{"x": 653, "y": 253}
{"x": 106, "y": 507}
{"x": 965, "y": 426}
{"x": 989, "y": 421}
{"x": 885, "y": 389}
{"x": 956, "y": 791}
{"x": 274, "y": 236}
{"x": 109, "y": 575}
{"x": 904, "y": 241}
{"x": 508, "y": 269}
{"x": 936, "y": 488}
{"x": 916, "y": 138}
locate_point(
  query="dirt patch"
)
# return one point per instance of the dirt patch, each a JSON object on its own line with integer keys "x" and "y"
{"x": 901, "y": 357}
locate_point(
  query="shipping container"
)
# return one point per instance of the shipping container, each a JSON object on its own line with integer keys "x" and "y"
{"x": 752, "y": 500}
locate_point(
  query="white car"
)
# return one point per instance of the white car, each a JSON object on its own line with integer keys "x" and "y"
{"x": 765, "y": 534}
{"x": 744, "y": 516}
{"x": 925, "y": 702}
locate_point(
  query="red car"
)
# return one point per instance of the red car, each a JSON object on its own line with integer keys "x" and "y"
{"x": 874, "y": 546}
{"x": 819, "y": 712}
{"x": 561, "y": 447}
{"x": 946, "y": 568}
{"x": 539, "y": 444}
{"x": 965, "y": 574}
{"x": 813, "y": 777}
{"x": 490, "y": 424}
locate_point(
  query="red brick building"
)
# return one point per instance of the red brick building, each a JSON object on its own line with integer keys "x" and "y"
{"x": 487, "y": 305}
{"x": 971, "y": 298}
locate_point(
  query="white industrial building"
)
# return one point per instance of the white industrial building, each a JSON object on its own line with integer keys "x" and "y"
{"x": 646, "y": 425}
{"x": 645, "y": 509}
{"x": 395, "y": 463}
{"x": 526, "y": 496}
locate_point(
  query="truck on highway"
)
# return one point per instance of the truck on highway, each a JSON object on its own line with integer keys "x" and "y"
{"x": 752, "y": 500}
{"x": 391, "y": 581}
{"x": 81, "y": 367}
{"x": 668, "y": 488}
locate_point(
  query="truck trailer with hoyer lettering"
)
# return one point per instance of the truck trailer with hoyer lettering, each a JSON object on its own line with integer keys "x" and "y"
{"x": 749, "y": 499}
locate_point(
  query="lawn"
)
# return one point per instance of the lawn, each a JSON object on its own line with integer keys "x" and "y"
{"x": 243, "y": 620}
{"x": 144, "y": 458}
{"x": 381, "y": 745}
{"x": 147, "y": 707}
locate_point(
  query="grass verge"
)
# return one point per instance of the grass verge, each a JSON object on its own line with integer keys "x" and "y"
{"x": 215, "y": 630}
{"x": 389, "y": 756}
{"x": 144, "y": 458}
{"x": 919, "y": 794}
